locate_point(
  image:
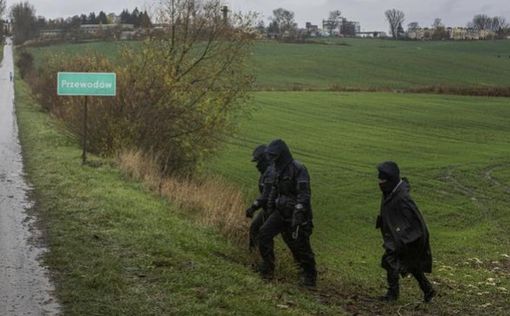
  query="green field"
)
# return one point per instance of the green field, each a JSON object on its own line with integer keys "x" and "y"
{"x": 363, "y": 64}
{"x": 117, "y": 249}
{"x": 454, "y": 150}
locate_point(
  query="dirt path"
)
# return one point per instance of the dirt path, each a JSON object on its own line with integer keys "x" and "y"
{"x": 24, "y": 285}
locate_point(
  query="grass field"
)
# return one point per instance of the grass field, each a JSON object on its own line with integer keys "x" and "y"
{"x": 455, "y": 151}
{"x": 363, "y": 64}
{"x": 117, "y": 249}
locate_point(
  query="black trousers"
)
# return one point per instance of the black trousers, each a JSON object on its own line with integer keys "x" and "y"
{"x": 300, "y": 247}
{"x": 255, "y": 225}
{"x": 394, "y": 266}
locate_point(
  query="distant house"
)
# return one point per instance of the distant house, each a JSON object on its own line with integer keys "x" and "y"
{"x": 51, "y": 33}
{"x": 95, "y": 29}
{"x": 373, "y": 34}
{"x": 312, "y": 30}
{"x": 458, "y": 33}
{"x": 343, "y": 27}
{"x": 7, "y": 26}
{"x": 416, "y": 34}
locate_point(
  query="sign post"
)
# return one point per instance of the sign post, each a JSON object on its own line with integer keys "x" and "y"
{"x": 86, "y": 84}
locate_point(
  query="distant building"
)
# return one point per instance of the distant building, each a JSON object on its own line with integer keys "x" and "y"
{"x": 373, "y": 34}
{"x": 453, "y": 33}
{"x": 312, "y": 30}
{"x": 342, "y": 27}
{"x": 94, "y": 29}
{"x": 7, "y": 26}
{"x": 52, "y": 33}
{"x": 350, "y": 28}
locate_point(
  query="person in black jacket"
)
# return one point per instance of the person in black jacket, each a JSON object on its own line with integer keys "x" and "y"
{"x": 405, "y": 234}
{"x": 264, "y": 184}
{"x": 290, "y": 214}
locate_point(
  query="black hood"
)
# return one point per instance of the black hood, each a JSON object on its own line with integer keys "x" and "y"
{"x": 390, "y": 172}
{"x": 279, "y": 152}
{"x": 259, "y": 156}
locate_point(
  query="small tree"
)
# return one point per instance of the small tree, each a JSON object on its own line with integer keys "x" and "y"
{"x": 395, "y": 19}
{"x": 413, "y": 27}
{"x": 102, "y": 18}
{"x": 439, "y": 31}
{"x": 24, "y": 22}
{"x": 2, "y": 11}
{"x": 283, "y": 21}
{"x": 334, "y": 21}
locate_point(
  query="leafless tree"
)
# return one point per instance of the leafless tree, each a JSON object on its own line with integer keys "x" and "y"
{"x": 283, "y": 22}
{"x": 413, "y": 26}
{"x": 496, "y": 24}
{"x": 481, "y": 22}
{"x": 2, "y": 8}
{"x": 499, "y": 24}
{"x": 334, "y": 21}
{"x": 24, "y": 22}
{"x": 395, "y": 19}
{"x": 437, "y": 23}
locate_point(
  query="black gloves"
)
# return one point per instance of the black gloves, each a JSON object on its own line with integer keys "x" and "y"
{"x": 250, "y": 211}
{"x": 298, "y": 217}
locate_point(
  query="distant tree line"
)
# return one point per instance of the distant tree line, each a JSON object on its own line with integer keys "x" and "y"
{"x": 26, "y": 25}
{"x": 137, "y": 18}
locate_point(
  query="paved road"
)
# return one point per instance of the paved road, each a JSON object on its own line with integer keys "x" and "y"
{"x": 24, "y": 285}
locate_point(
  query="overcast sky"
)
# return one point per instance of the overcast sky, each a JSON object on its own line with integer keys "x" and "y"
{"x": 370, "y": 13}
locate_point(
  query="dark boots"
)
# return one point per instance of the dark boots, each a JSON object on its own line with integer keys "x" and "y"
{"x": 425, "y": 286}
{"x": 309, "y": 279}
{"x": 393, "y": 288}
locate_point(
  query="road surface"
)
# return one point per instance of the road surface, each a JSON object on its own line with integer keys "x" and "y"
{"x": 25, "y": 288}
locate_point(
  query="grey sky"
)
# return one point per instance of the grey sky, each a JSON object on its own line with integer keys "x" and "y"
{"x": 370, "y": 13}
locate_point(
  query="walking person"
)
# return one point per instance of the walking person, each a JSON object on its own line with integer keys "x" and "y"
{"x": 290, "y": 214}
{"x": 265, "y": 183}
{"x": 404, "y": 232}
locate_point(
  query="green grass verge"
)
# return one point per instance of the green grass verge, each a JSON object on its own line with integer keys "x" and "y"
{"x": 456, "y": 153}
{"x": 361, "y": 63}
{"x": 116, "y": 249}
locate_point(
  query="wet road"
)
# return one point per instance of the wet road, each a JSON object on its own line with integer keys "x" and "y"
{"x": 24, "y": 285}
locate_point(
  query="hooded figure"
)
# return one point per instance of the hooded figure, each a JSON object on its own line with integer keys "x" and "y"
{"x": 264, "y": 184}
{"x": 279, "y": 153}
{"x": 290, "y": 214}
{"x": 405, "y": 234}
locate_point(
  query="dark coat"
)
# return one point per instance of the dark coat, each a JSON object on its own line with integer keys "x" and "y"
{"x": 265, "y": 185}
{"x": 404, "y": 231}
{"x": 291, "y": 183}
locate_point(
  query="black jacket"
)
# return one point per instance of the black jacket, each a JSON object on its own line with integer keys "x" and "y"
{"x": 265, "y": 184}
{"x": 404, "y": 230}
{"x": 291, "y": 184}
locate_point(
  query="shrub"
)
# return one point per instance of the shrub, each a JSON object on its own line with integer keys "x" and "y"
{"x": 179, "y": 94}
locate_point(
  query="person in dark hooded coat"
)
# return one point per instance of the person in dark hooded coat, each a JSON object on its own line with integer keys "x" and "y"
{"x": 263, "y": 165}
{"x": 290, "y": 214}
{"x": 405, "y": 234}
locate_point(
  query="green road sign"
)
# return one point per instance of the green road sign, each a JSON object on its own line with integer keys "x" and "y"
{"x": 87, "y": 83}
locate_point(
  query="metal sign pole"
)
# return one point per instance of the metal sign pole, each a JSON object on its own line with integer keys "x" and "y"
{"x": 85, "y": 131}
{"x": 99, "y": 84}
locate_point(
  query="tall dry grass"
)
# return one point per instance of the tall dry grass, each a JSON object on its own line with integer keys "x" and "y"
{"x": 213, "y": 201}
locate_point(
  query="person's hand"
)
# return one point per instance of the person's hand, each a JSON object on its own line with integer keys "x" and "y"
{"x": 298, "y": 217}
{"x": 250, "y": 211}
